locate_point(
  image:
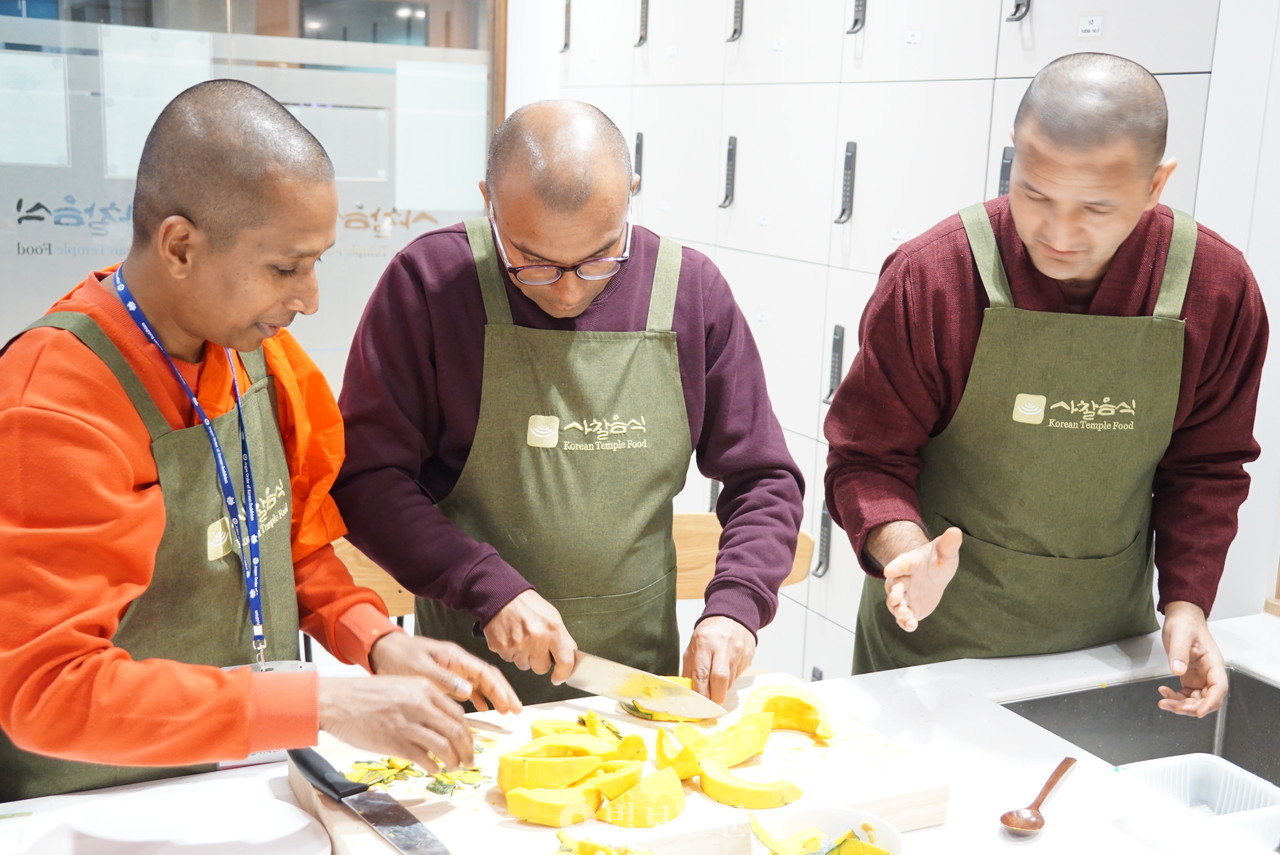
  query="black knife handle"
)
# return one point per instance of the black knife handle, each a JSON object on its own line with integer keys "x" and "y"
{"x": 323, "y": 776}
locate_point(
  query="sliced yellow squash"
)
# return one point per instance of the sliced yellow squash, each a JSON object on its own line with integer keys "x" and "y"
{"x": 731, "y": 790}
{"x": 658, "y": 798}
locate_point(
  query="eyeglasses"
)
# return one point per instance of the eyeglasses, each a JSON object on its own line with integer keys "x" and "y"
{"x": 593, "y": 269}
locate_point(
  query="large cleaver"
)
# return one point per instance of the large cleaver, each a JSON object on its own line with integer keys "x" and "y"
{"x": 610, "y": 679}
{"x": 381, "y": 811}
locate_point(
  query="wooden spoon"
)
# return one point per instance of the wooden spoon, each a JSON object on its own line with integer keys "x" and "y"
{"x": 1029, "y": 820}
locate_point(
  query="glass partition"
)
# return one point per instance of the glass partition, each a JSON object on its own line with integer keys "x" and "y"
{"x": 398, "y": 93}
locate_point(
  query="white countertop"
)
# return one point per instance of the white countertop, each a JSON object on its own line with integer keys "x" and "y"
{"x": 993, "y": 759}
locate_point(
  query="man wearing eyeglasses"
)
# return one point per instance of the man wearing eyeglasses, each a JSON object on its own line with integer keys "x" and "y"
{"x": 521, "y": 401}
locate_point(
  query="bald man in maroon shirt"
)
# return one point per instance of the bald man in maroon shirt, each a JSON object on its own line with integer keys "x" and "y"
{"x": 1054, "y": 395}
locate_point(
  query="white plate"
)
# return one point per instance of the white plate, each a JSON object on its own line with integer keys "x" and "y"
{"x": 831, "y": 821}
{"x": 188, "y": 819}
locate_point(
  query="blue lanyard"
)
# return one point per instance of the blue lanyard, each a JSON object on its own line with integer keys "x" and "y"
{"x": 252, "y": 569}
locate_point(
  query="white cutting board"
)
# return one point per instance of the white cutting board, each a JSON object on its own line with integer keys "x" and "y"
{"x": 858, "y": 768}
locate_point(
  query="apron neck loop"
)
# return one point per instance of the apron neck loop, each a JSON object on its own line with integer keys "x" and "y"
{"x": 666, "y": 277}
{"x": 1177, "y": 267}
{"x": 496, "y": 307}
{"x": 986, "y": 255}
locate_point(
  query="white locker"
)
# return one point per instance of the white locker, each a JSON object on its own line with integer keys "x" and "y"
{"x": 828, "y": 649}
{"x": 1187, "y": 96}
{"x": 780, "y": 644}
{"x": 1164, "y": 36}
{"x": 805, "y": 452}
{"x": 781, "y": 187}
{"x": 847, "y": 295}
{"x": 920, "y": 156}
{"x": 599, "y": 40}
{"x": 836, "y": 586}
{"x": 683, "y": 42}
{"x": 920, "y": 39}
{"x": 681, "y": 179}
{"x": 783, "y": 301}
{"x": 781, "y": 41}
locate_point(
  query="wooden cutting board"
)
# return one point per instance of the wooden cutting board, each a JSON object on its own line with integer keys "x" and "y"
{"x": 858, "y": 768}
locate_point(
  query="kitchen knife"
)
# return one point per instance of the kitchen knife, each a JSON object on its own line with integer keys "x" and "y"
{"x": 610, "y": 679}
{"x": 381, "y": 811}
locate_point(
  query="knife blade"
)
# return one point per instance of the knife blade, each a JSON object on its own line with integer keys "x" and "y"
{"x": 390, "y": 819}
{"x": 610, "y": 679}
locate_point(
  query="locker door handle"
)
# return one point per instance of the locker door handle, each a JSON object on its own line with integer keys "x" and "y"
{"x": 1006, "y": 165}
{"x": 846, "y": 191}
{"x": 644, "y": 23}
{"x": 859, "y": 17}
{"x": 837, "y": 363}
{"x": 715, "y": 495}
{"x": 730, "y": 167}
{"x": 1020, "y": 10}
{"x": 639, "y": 162}
{"x": 565, "y": 49}
{"x": 737, "y": 21}
{"x": 824, "y": 544}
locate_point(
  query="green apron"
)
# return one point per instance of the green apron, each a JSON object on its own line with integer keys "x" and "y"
{"x": 581, "y": 445}
{"x": 1047, "y": 469}
{"x": 194, "y": 610}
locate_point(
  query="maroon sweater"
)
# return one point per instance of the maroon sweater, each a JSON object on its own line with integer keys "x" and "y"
{"x": 411, "y": 398}
{"x": 918, "y": 337}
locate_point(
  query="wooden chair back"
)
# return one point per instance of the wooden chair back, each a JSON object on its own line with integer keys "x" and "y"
{"x": 365, "y": 572}
{"x": 697, "y": 538}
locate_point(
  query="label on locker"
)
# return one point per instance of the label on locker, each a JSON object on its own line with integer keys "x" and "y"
{"x": 778, "y": 46}
{"x": 913, "y": 38}
{"x": 762, "y": 221}
{"x": 1091, "y": 27}
{"x": 673, "y": 52}
{"x": 897, "y": 235}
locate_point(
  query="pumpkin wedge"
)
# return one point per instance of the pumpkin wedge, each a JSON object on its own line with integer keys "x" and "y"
{"x": 674, "y": 753}
{"x": 553, "y": 807}
{"x": 552, "y": 726}
{"x": 738, "y": 742}
{"x": 614, "y": 777}
{"x": 731, "y": 790}
{"x": 793, "y": 708}
{"x": 658, "y": 798}
{"x": 557, "y": 760}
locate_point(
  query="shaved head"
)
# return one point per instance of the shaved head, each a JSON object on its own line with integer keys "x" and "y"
{"x": 210, "y": 154}
{"x": 1085, "y": 101}
{"x": 566, "y": 150}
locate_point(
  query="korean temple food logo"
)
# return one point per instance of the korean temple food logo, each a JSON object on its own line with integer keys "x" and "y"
{"x": 588, "y": 434}
{"x": 544, "y": 432}
{"x": 1029, "y": 409}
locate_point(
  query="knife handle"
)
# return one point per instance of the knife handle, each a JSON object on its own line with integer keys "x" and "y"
{"x": 323, "y": 776}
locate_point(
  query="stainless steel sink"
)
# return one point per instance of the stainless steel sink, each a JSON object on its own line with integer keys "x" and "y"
{"x": 1121, "y": 724}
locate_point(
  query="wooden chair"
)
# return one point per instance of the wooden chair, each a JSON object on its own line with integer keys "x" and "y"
{"x": 697, "y": 538}
{"x": 365, "y": 572}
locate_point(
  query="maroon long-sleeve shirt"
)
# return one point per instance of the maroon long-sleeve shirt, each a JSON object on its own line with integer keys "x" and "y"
{"x": 411, "y": 398}
{"x": 918, "y": 336}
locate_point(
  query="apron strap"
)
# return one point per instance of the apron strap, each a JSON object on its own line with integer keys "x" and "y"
{"x": 666, "y": 277}
{"x": 480, "y": 235}
{"x": 986, "y": 254}
{"x": 87, "y": 330}
{"x": 1177, "y": 267}
{"x": 255, "y": 364}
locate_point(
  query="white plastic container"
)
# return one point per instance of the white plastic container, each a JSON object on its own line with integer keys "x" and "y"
{"x": 1205, "y": 782}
